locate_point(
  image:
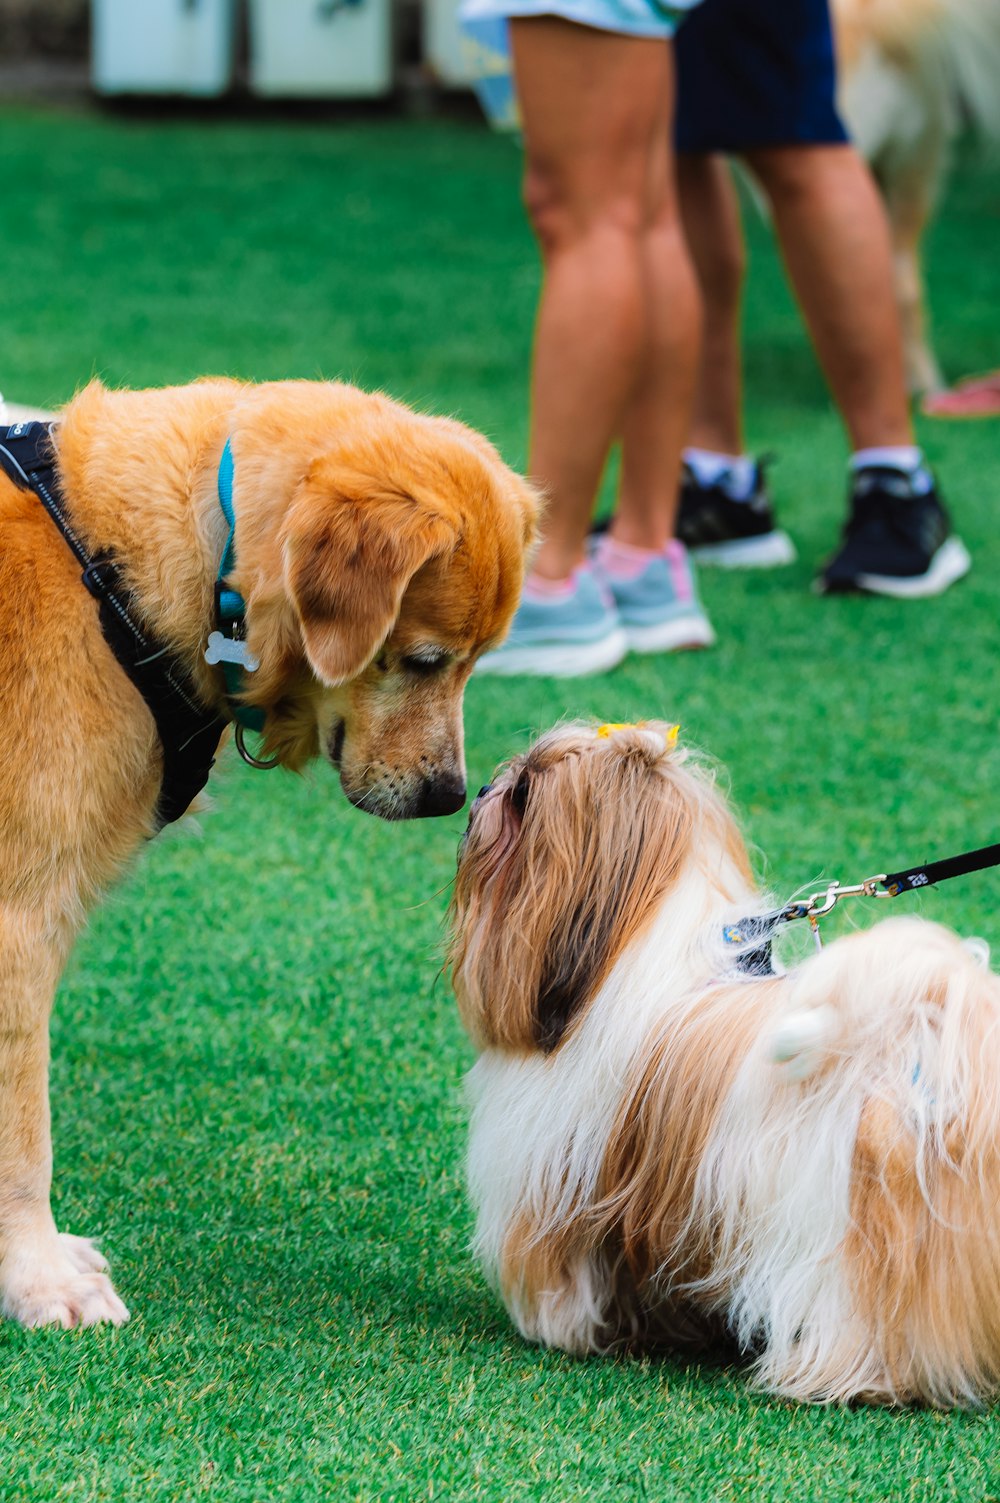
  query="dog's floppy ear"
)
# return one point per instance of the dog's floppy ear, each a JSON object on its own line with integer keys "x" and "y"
{"x": 532, "y": 883}
{"x": 352, "y": 546}
{"x": 562, "y": 869}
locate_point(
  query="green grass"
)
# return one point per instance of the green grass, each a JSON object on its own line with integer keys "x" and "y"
{"x": 256, "y": 1074}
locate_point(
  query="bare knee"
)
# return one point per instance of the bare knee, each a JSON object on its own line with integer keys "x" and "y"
{"x": 562, "y": 212}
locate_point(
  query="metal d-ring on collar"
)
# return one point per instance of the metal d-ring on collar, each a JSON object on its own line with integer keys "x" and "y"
{"x": 227, "y": 645}
{"x": 263, "y": 764}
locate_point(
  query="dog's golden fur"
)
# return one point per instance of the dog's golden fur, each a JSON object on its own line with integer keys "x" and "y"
{"x": 807, "y": 1164}
{"x": 379, "y": 553}
{"x": 910, "y": 70}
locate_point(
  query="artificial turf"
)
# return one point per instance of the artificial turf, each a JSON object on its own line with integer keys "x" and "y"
{"x": 256, "y": 1070}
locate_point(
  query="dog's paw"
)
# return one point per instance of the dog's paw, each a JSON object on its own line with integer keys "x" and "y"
{"x": 66, "y": 1286}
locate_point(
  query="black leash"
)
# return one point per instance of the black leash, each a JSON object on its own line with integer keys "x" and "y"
{"x": 751, "y": 938}
{"x": 941, "y": 871}
{"x": 189, "y": 733}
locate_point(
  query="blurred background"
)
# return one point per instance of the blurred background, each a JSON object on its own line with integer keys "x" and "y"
{"x": 319, "y": 49}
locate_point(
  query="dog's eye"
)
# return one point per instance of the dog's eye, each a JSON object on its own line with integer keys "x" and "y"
{"x": 484, "y": 792}
{"x": 424, "y": 665}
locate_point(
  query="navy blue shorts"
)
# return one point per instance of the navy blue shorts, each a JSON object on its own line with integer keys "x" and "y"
{"x": 756, "y": 73}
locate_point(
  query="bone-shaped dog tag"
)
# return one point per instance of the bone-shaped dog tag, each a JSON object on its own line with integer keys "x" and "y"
{"x": 222, "y": 649}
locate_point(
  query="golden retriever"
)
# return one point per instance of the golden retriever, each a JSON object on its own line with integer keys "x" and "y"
{"x": 379, "y": 553}
{"x": 910, "y": 71}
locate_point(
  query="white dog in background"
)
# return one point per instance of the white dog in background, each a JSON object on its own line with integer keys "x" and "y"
{"x": 911, "y": 71}
{"x": 12, "y": 412}
{"x": 665, "y": 1148}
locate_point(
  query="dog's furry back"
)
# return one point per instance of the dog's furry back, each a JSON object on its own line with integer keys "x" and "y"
{"x": 910, "y": 72}
{"x": 914, "y": 70}
{"x": 853, "y": 1200}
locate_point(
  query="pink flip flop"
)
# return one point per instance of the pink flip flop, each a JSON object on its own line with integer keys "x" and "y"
{"x": 975, "y": 397}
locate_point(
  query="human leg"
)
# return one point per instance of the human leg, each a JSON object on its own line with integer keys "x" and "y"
{"x": 834, "y": 238}
{"x": 657, "y": 415}
{"x": 725, "y": 515}
{"x": 592, "y": 104}
{"x": 595, "y": 107}
{"x": 644, "y": 567}
{"x": 712, "y": 226}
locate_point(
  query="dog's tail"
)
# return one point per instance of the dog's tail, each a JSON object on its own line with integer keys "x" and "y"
{"x": 906, "y": 981}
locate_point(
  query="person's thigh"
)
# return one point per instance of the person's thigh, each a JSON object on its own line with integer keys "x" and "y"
{"x": 592, "y": 105}
{"x": 818, "y": 173}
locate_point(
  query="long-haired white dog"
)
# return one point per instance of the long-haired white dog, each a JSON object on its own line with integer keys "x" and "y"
{"x": 664, "y": 1149}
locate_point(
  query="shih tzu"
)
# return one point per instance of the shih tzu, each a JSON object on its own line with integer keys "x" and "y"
{"x": 667, "y": 1147}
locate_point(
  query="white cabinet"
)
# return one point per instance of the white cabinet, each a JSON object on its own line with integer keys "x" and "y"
{"x": 162, "y": 46}
{"x": 321, "y": 48}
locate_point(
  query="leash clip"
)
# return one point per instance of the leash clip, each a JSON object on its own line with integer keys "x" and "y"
{"x": 824, "y": 902}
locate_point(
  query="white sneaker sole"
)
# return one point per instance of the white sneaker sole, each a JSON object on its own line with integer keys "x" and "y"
{"x": 672, "y": 636}
{"x": 768, "y": 551}
{"x": 557, "y": 659}
{"x": 949, "y": 564}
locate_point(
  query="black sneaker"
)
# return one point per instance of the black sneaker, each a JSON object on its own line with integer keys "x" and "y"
{"x": 731, "y": 534}
{"x": 898, "y": 539}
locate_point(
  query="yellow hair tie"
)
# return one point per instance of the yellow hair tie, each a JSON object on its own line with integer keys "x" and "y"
{"x": 604, "y": 731}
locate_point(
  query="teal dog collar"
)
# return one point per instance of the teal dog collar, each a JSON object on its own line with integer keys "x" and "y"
{"x": 227, "y": 646}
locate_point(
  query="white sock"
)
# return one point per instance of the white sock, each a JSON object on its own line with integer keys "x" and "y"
{"x": 735, "y": 473}
{"x": 907, "y": 458}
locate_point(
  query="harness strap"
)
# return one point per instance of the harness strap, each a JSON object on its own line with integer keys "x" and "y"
{"x": 750, "y": 941}
{"x": 189, "y": 733}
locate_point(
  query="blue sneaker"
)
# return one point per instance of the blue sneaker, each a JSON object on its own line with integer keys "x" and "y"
{"x": 659, "y": 607}
{"x": 570, "y": 635}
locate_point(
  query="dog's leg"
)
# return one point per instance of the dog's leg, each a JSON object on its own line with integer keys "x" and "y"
{"x": 909, "y": 200}
{"x": 562, "y": 1292}
{"x": 46, "y": 1278}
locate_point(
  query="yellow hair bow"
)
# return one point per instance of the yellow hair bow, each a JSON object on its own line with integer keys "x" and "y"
{"x": 604, "y": 731}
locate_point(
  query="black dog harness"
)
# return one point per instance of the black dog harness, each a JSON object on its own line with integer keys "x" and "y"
{"x": 189, "y": 733}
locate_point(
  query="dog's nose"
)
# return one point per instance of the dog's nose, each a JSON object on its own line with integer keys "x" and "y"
{"x": 443, "y": 795}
